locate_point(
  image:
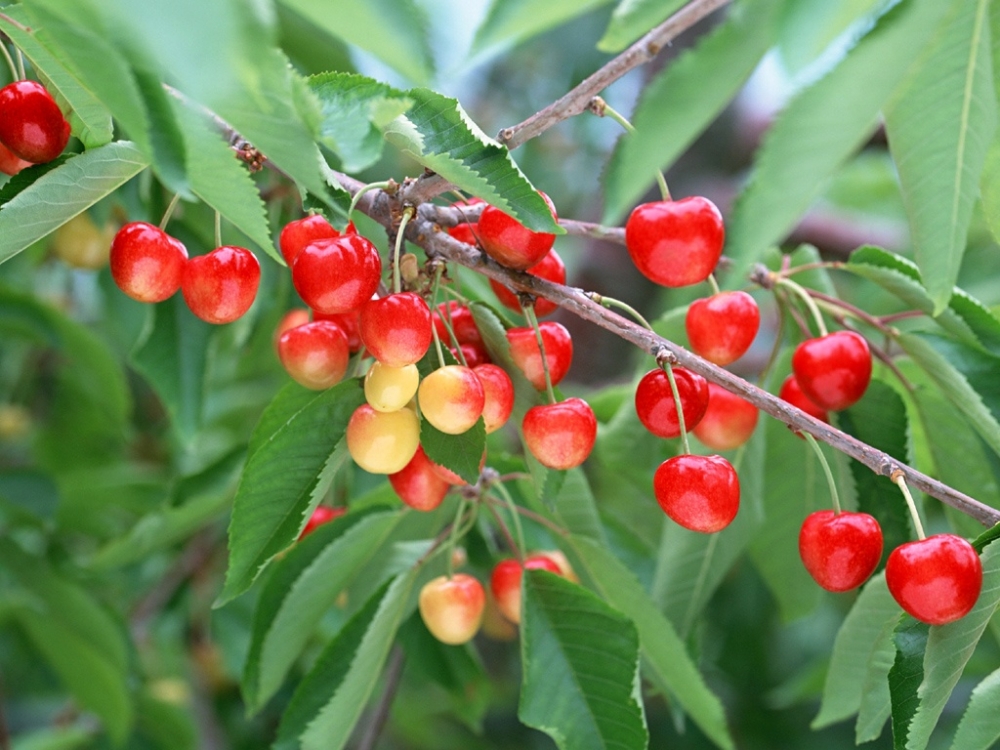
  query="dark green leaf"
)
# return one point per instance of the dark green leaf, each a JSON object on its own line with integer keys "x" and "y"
{"x": 510, "y": 22}
{"x": 980, "y": 725}
{"x": 463, "y": 453}
{"x": 633, "y": 18}
{"x": 905, "y": 677}
{"x": 810, "y": 26}
{"x": 576, "y": 507}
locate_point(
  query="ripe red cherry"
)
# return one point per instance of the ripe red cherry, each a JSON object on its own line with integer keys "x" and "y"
{"x": 452, "y": 608}
{"x": 396, "y": 329}
{"x": 701, "y": 493}
{"x": 551, "y": 268}
{"x": 147, "y": 263}
{"x": 297, "y": 234}
{"x": 462, "y": 323}
{"x": 315, "y": 354}
{"x": 833, "y": 371}
{"x": 654, "y": 401}
{"x": 350, "y": 324}
{"x": 560, "y": 435}
{"x": 722, "y": 327}
{"x": 498, "y": 390}
{"x": 291, "y": 319}
{"x": 474, "y": 354}
{"x": 527, "y": 356}
{"x": 509, "y": 242}
{"x": 505, "y": 583}
{"x": 840, "y": 550}
{"x": 468, "y": 231}
{"x": 729, "y": 420}
{"x": 31, "y": 124}
{"x": 11, "y": 163}
{"x": 220, "y": 286}
{"x": 792, "y": 393}
{"x": 418, "y": 485}
{"x": 675, "y": 243}
{"x": 322, "y": 514}
{"x": 937, "y": 579}
{"x": 337, "y": 275}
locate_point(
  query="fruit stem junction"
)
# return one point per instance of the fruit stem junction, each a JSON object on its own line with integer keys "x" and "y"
{"x": 826, "y": 470}
{"x": 612, "y": 302}
{"x": 601, "y": 108}
{"x": 900, "y": 481}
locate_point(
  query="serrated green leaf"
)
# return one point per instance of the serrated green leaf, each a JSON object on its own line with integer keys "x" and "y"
{"x": 462, "y": 453}
{"x": 810, "y": 26}
{"x": 905, "y": 676}
{"x": 510, "y": 22}
{"x": 581, "y": 667}
{"x": 438, "y": 134}
{"x": 979, "y": 728}
{"x": 876, "y": 698}
{"x": 64, "y": 192}
{"x": 276, "y": 491}
{"x": 939, "y": 128}
{"x": 633, "y": 18}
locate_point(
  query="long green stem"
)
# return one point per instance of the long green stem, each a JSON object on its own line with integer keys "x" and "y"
{"x": 677, "y": 405}
{"x": 612, "y": 302}
{"x": 434, "y": 333}
{"x": 512, "y": 509}
{"x": 609, "y": 111}
{"x": 826, "y": 469}
{"x": 900, "y": 481}
{"x": 361, "y": 191}
{"x": 529, "y": 313}
{"x": 453, "y": 537}
{"x": 713, "y": 283}
{"x": 20, "y": 65}
{"x": 170, "y": 210}
{"x": 809, "y": 302}
{"x": 218, "y": 229}
{"x": 397, "y": 286}
{"x": 449, "y": 325}
{"x": 10, "y": 62}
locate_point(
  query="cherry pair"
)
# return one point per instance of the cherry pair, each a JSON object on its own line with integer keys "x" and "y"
{"x": 33, "y": 129}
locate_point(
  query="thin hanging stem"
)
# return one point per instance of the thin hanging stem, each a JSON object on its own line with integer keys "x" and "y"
{"x": 218, "y": 229}
{"x": 512, "y": 509}
{"x": 449, "y": 325}
{"x": 668, "y": 368}
{"x": 900, "y": 481}
{"x": 453, "y": 536}
{"x": 610, "y": 302}
{"x": 529, "y": 313}
{"x": 601, "y": 108}
{"x": 397, "y": 285}
{"x": 170, "y": 210}
{"x": 10, "y": 62}
{"x": 536, "y": 517}
{"x": 20, "y": 66}
{"x": 826, "y": 470}
{"x": 809, "y": 302}
{"x": 434, "y": 333}
{"x": 714, "y": 284}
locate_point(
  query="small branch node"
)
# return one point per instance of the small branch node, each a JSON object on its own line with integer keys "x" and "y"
{"x": 665, "y": 357}
{"x": 597, "y": 105}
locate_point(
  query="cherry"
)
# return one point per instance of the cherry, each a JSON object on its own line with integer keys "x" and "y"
{"x": 31, "y": 124}
{"x": 418, "y": 485}
{"x": 452, "y": 608}
{"x": 675, "y": 243}
{"x": 396, "y": 329}
{"x": 840, "y": 550}
{"x": 701, "y": 493}
{"x": 322, "y": 514}
{"x": 505, "y": 583}
{"x": 337, "y": 275}
{"x": 792, "y": 393}
{"x": 462, "y": 323}
{"x": 220, "y": 286}
{"x": 474, "y": 354}
{"x": 390, "y": 388}
{"x": 147, "y": 263}
{"x": 654, "y": 401}
{"x": 11, "y": 163}
{"x": 498, "y": 390}
{"x": 833, "y": 370}
{"x": 291, "y": 319}
{"x": 350, "y": 323}
{"x": 382, "y": 442}
{"x": 565, "y": 569}
{"x": 561, "y": 436}
{"x": 551, "y": 268}
{"x": 297, "y": 234}
{"x": 466, "y": 231}
{"x": 729, "y": 420}
{"x": 527, "y": 356}
{"x": 509, "y": 242}
{"x": 722, "y": 327}
{"x": 315, "y": 354}
{"x": 937, "y": 579}
{"x": 451, "y": 398}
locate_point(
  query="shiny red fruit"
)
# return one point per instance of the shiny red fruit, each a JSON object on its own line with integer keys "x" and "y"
{"x": 551, "y": 268}
{"x": 509, "y": 242}
{"x": 791, "y": 393}
{"x": 418, "y": 485}
{"x": 462, "y": 323}
{"x": 675, "y": 243}
{"x": 11, "y": 163}
{"x": 527, "y": 356}
{"x": 499, "y": 392}
{"x": 722, "y": 327}
{"x": 31, "y": 124}
{"x": 396, "y": 329}
{"x": 937, "y": 579}
{"x": 297, "y": 234}
{"x": 147, "y": 263}
{"x": 561, "y": 436}
{"x": 322, "y": 514}
{"x": 840, "y": 550}
{"x": 654, "y": 401}
{"x": 729, "y": 420}
{"x": 505, "y": 583}
{"x": 350, "y": 323}
{"x": 337, "y": 275}
{"x": 701, "y": 493}
{"x": 833, "y": 371}
{"x": 291, "y": 319}
{"x": 315, "y": 354}
{"x": 220, "y": 286}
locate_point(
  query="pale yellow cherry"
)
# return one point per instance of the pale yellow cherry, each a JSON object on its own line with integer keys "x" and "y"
{"x": 391, "y": 388}
{"x": 382, "y": 442}
{"x": 452, "y": 608}
{"x": 451, "y": 398}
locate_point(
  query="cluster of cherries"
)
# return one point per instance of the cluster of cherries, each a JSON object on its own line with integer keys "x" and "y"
{"x": 33, "y": 129}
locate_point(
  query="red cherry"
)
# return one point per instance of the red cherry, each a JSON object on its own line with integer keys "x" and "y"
{"x": 220, "y": 286}
{"x": 11, "y": 163}
{"x": 337, "y": 275}
{"x": 147, "y": 263}
{"x": 475, "y": 354}
{"x": 792, "y": 393}
{"x": 675, "y": 243}
{"x": 505, "y": 583}
{"x": 729, "y": 420}
{"x": 322, "y": 514}
{"x": 840, "y": 550}
{"x": 418, "y": 485}
{"x": 291, "y": 319}
{"x": 499, "y": 391}
{"x": 833, "y": 370}
{"x": 937, "y": 579}
{"x": 297, "y": 234}
{"x": 350, "y": 324}
{"x": 560, "y": 435}
{"x": 315, "y": 354}
{"x": 527, "y": 356}
{"x": 551, "y": 268}
{"x": 31, "y": 124}
{"x": 722, "y": 327}
{"x": 462, "y": 323}
{"x": 396, "y": 329}
{"x": 701, "y": 493}
{"x": 654, "y": 401}
{"x": 509, "y": 242}
{"x": 452, "y": 608}
{"x": 468, "y": 231}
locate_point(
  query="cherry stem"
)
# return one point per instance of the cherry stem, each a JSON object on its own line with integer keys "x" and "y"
{"x": 612, "y": 302}
{"x": 453, "y": 536}
{"x": 218, "y": 229}
{"x": 449, "y": 325}
{"x": 835, "y": 305}
{"x": 10, "y": 62}
{"x": 170, "y": 210}
{"x": 512, "y": 509}
{"x": 669, "y": 369}
{"x": 529, "y": 313}
{"x": 826, "y": 470}
{"x": 714, "y": 284}
{"x": 361, "y": 191}
{"x": 434, "y": 333}
{"x": 601, "y": 108}
{"x": 397, "y": 285}
{"x": 20, "y": 65}
{"x": 809, "y": 302}
{"x": 900, "y": 481}
{"x": 537, "y": 518}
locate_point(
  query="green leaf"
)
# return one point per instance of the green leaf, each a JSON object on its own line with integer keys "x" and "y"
{"x": 581, "y": 667}
{"x": 64, "y": 192}
{"x": 295, "y": 444}
{"x": 438, "y": 134}
{"x": 576, "y": 507}
{"x": 63, "y": 738}
{"x": 330, "y": 699}
{"x": 810, "y": 26}
{"x": 510, "y": 22}
{"x": 905, "y": 676}
{"x": 939, "y": 130}
{"x": 633, "y": 18}
{"x": 165, "y": 724}
{"x": 30, "y": 492}
{"x": 676, "y": 106}
{"x": 669, "y": 665}
{"x": 822, "y": 126}
{"x": 979, "y": 728}
{"x": 990, "y": 188}
{"x": 876, "y": 696}
{"x": 462, "y": 453}
{"x": 301, "y": 589}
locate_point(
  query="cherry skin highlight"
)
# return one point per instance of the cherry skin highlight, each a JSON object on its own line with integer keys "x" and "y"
{"x": 220, "y": 286}
{"x": 654, "y": 401}
{"x": 452, "y": 608}
{"x": 297, "y": 234}
{"x": 505, "y": 583}
{"x": 561, "y": 436}
{"x": 729, "y": 420}
{"x": 833, "y": 371}
{"x": 675, "y": 243}
{"x": 418, "y": 485}
{"x": 722, "y": 327}
{"x": 147, "y": 263}
{"x": 551, "y": 268}
{"x": 840, "y": 550}
{"x": 337, "y": 275}
{"x": 700, "y": 493}
{"x": 315, "y": 354}
{"x": 509, "y": 242}
{"x": 31, "y": 124}
{"x": 937, "y": 579}
{"x": 396, "y": 329}
{"x": 528, "y": 357}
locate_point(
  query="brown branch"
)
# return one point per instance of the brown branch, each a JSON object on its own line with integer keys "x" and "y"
{"x": 393, "y": 673}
